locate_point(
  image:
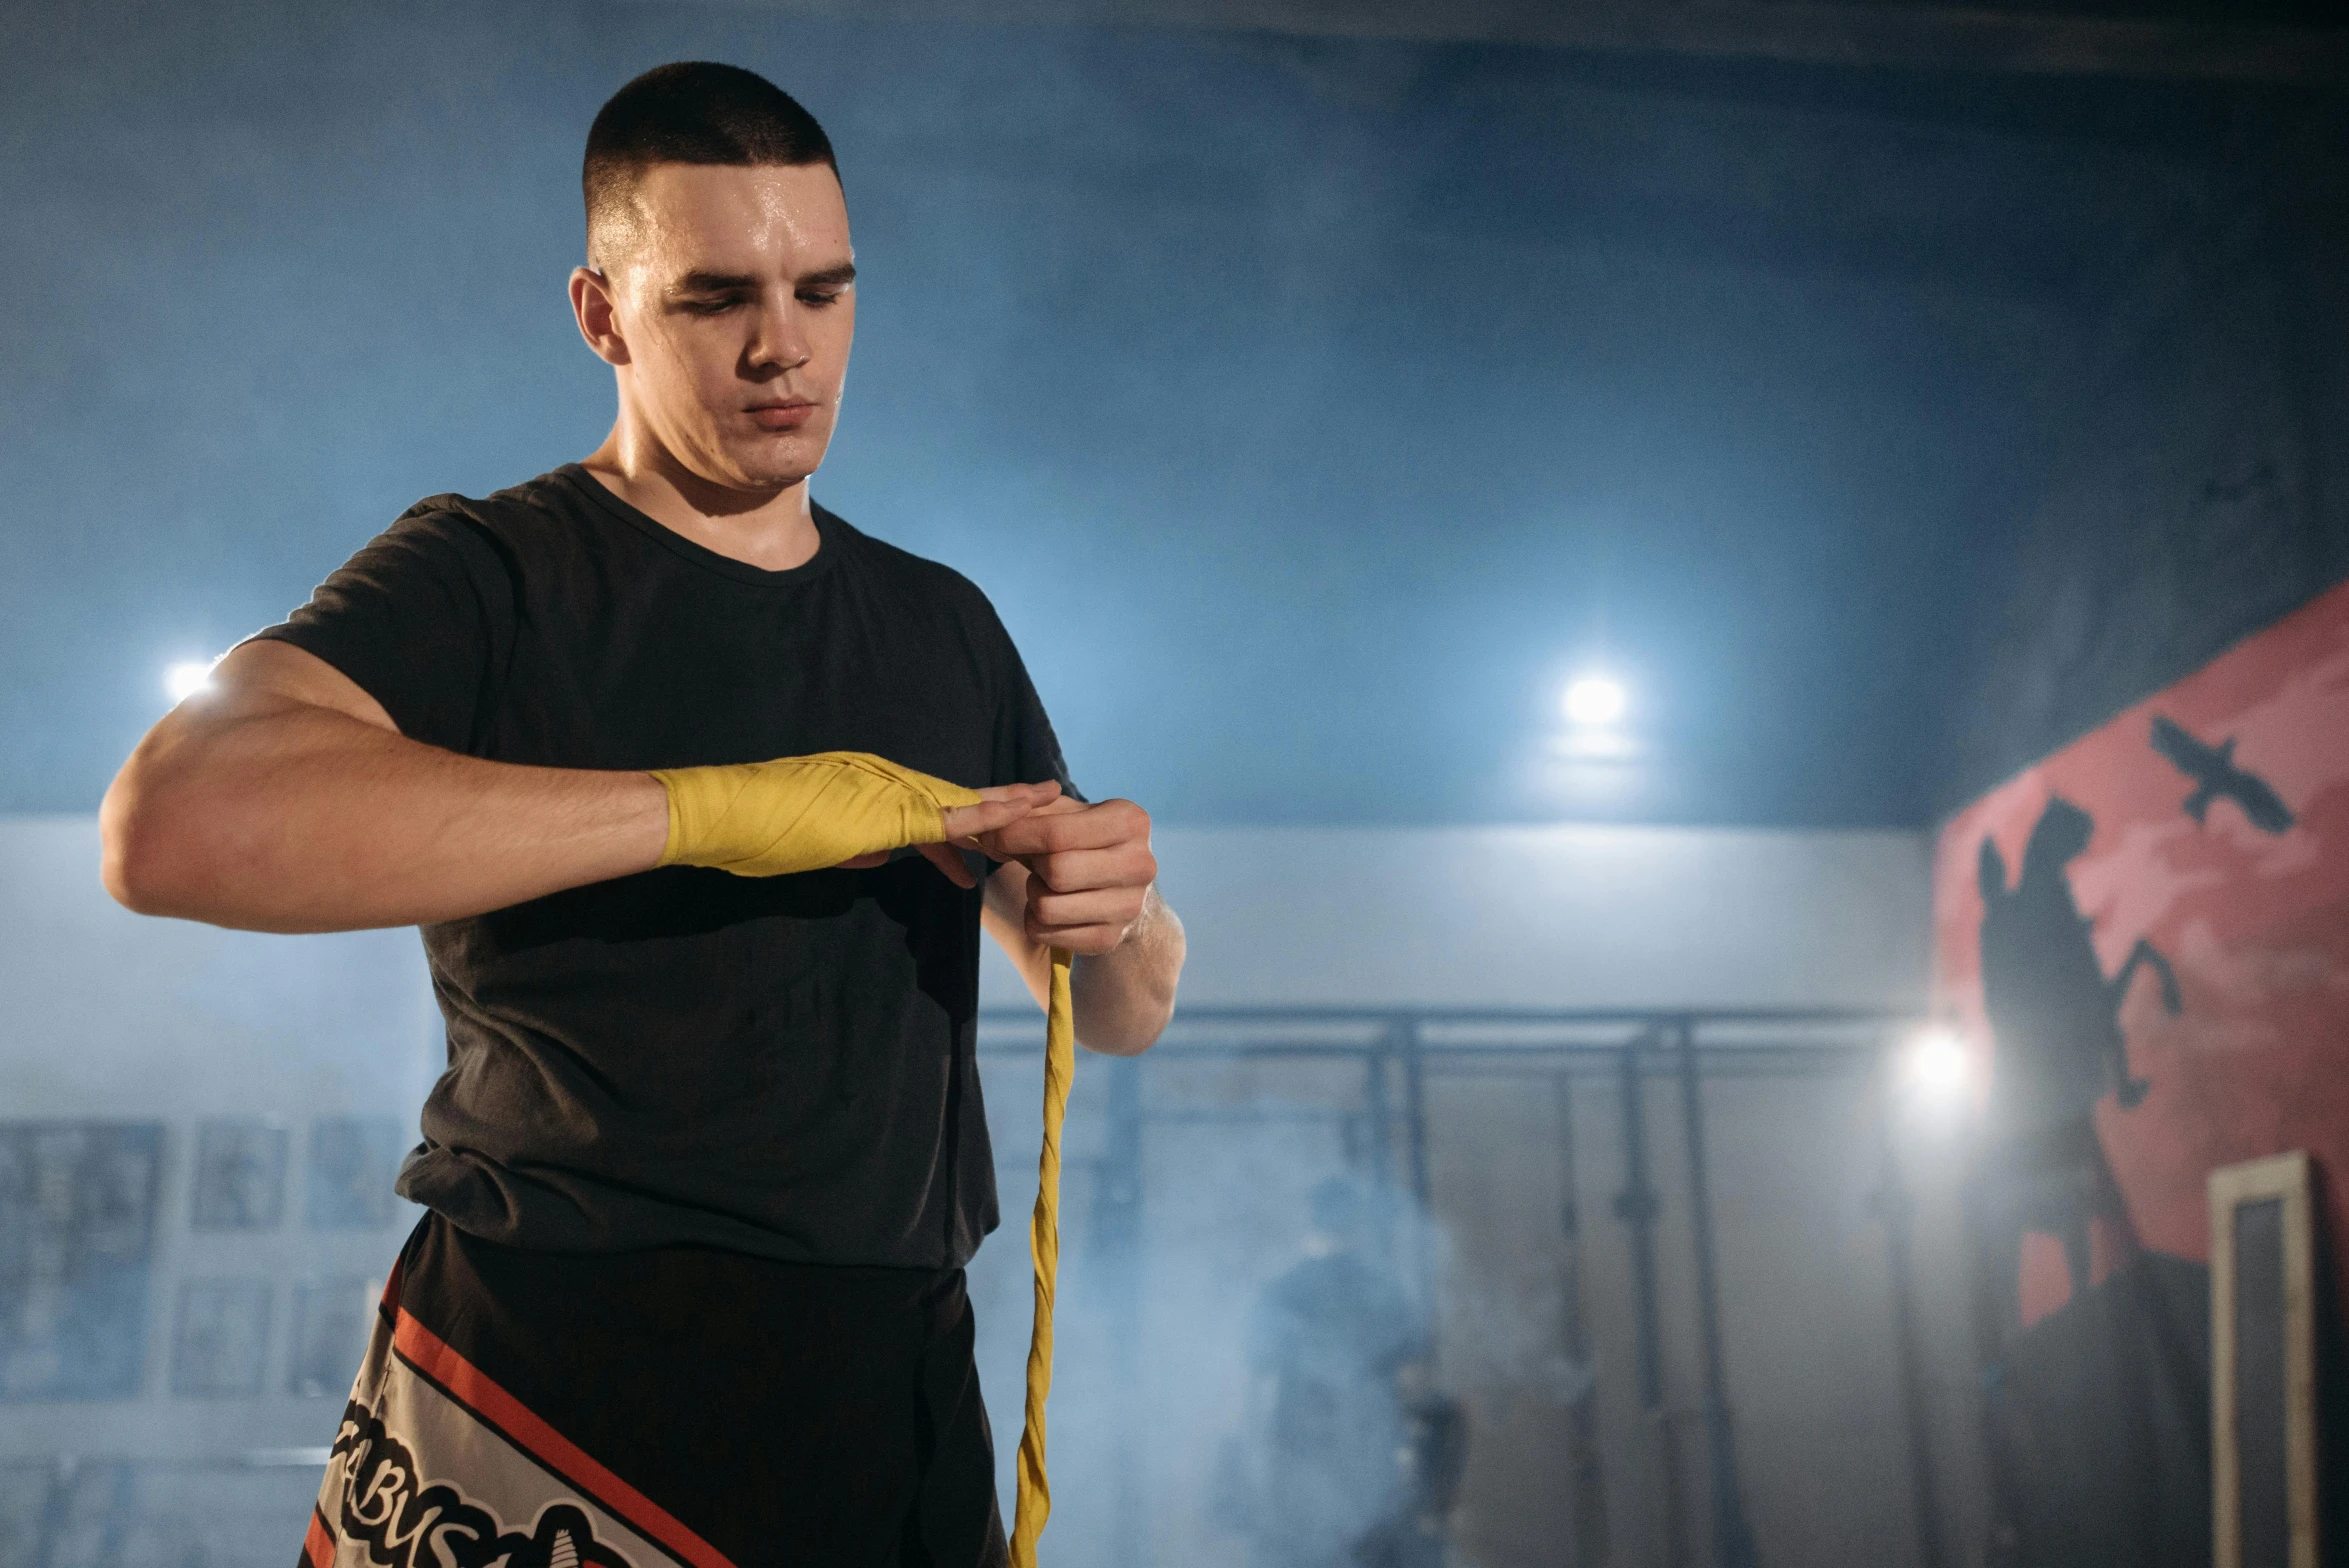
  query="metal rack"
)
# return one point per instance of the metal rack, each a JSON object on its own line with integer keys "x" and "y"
{"x": 1397, "y": 1051}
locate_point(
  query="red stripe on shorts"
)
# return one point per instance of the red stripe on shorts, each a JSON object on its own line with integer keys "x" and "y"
{"x": 318, "y": 1545}
{"x": 480, "y": 1393}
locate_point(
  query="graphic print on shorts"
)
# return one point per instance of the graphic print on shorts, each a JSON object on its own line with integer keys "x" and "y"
{"x": 407, "y": 1521}
{"x": 437, "y": 1465}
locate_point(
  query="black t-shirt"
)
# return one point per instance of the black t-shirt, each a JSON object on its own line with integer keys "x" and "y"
{"x": 780, "y": 1066}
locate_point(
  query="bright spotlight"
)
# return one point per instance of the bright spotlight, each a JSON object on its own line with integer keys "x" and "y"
{"x": 185, "y": 679}
{"x": 1937, "y": 1065}
{"x": 1596, "y": 700}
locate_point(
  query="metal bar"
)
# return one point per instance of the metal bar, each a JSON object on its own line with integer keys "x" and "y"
{"x": 1408, "y": 1046}
{"x": 1758, "y": 1064}
{"x": 1733, "y": 1539}
{"x": 1990, "y": 1307}
{"x": 1894, "y": 1205}
{"x": 1170, "y": 1051}
{"x": 1414, "y": 1111}
{"x": 56, "y": 1511}
{"x": 1637, "y": 1206}
{"x": 1116, "y": 1247}
{"x": 1244, "y": 1115}
{"x": 1381, "y": 1115}
{"x": 1701, "y": 1016}
{"x": 1443, "y": 1057}
{"x": 1586, "y": 1474}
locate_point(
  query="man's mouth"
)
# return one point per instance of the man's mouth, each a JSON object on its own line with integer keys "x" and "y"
{"x": 782, "y": 413}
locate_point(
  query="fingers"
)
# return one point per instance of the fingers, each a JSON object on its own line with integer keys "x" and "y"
{"x": 1086, "y": 942}
{"x": 1084, "y": 870}
{"x": 1067, "y": 865}
{"x": 1088, "y": 868}
{"x": 1090, "y": 922}
{"x": 1039, "y": 794}
{"x": 998, "y": 807}
{"x": 1070, "y": 826}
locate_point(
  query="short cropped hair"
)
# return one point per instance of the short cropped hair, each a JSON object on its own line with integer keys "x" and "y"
{"x": 691, "y": 111}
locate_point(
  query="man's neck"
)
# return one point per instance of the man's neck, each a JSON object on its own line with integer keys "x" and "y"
{"x": 773, "y": 530}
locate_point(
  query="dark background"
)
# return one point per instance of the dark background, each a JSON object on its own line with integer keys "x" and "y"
{"x": 1311, "y": 406}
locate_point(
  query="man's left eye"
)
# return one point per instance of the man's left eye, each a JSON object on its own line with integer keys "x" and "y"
{"x": 819, "y": 297}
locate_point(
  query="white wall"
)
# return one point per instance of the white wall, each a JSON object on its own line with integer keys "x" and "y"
{"x": 1563, "y": 916}
{"x": 107, "y": 1013}
{"x": 1558, "y": 916}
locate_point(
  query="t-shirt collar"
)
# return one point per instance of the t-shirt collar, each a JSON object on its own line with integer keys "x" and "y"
{"x": 828, "y": 536}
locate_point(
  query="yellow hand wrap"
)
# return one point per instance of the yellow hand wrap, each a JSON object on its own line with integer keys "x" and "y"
{"x": 766, "y": 819}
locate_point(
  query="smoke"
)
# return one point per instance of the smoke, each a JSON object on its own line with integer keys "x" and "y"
{"x": 1155, "y": 1403}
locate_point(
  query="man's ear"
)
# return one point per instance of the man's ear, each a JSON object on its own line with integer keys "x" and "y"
{"x": 597, "y": 312}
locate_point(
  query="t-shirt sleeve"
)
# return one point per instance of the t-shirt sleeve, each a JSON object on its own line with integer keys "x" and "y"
{"x": 421, "y": 620}
{"x": 1032, "y": 749}
{"x": 1026, "y": 749}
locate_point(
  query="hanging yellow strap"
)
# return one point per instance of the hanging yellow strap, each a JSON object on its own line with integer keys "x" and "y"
{"x": 1060, "y": 1063}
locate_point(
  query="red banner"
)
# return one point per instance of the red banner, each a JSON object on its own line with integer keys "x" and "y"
{"x": 2152, "y": 925}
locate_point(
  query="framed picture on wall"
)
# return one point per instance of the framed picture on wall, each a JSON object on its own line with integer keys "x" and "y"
{"x": 220, "y": 1338}
{"x": 331, "y": 1322}
{"x": 239, "y": 1182}
{"x": 353, "y": 1162}
{"x": 77, "y": 1214}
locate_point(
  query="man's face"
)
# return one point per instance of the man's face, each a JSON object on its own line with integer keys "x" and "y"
{"x": 733, "y": 303}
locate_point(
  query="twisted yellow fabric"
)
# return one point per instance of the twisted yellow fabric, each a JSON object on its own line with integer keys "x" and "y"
{"x": 1060, "y": 1063}
{"x": 763, "y": 819}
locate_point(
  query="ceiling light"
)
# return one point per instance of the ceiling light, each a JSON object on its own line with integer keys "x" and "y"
{"x": 1596, "y": 700}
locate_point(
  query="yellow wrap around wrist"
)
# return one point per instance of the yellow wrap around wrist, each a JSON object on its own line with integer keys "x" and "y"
{"x": 766, "y": 819}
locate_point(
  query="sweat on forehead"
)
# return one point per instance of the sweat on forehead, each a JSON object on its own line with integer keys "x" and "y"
{"x": 769, "y": 220}
{"x": 692, "y": 111}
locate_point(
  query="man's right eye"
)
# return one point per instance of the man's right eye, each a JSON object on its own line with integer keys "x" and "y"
{"x": 710, "y": 307}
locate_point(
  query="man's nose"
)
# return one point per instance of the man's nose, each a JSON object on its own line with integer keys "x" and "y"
{"x": 781, "y": 342}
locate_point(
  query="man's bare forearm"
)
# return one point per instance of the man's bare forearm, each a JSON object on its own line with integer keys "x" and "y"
{"x": 253, "y": 809}
{"x": 1124, "y": 997}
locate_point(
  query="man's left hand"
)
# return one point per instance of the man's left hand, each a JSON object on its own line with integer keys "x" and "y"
{"x": 1089, "y": 871}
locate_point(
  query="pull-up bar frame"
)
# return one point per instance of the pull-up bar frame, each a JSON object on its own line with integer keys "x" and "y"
{"x": 1633, "y": 1044}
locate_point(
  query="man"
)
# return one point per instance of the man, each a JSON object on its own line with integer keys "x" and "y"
{"x": 1328, "y": 1341}
{"x": 709, "y": 1155}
